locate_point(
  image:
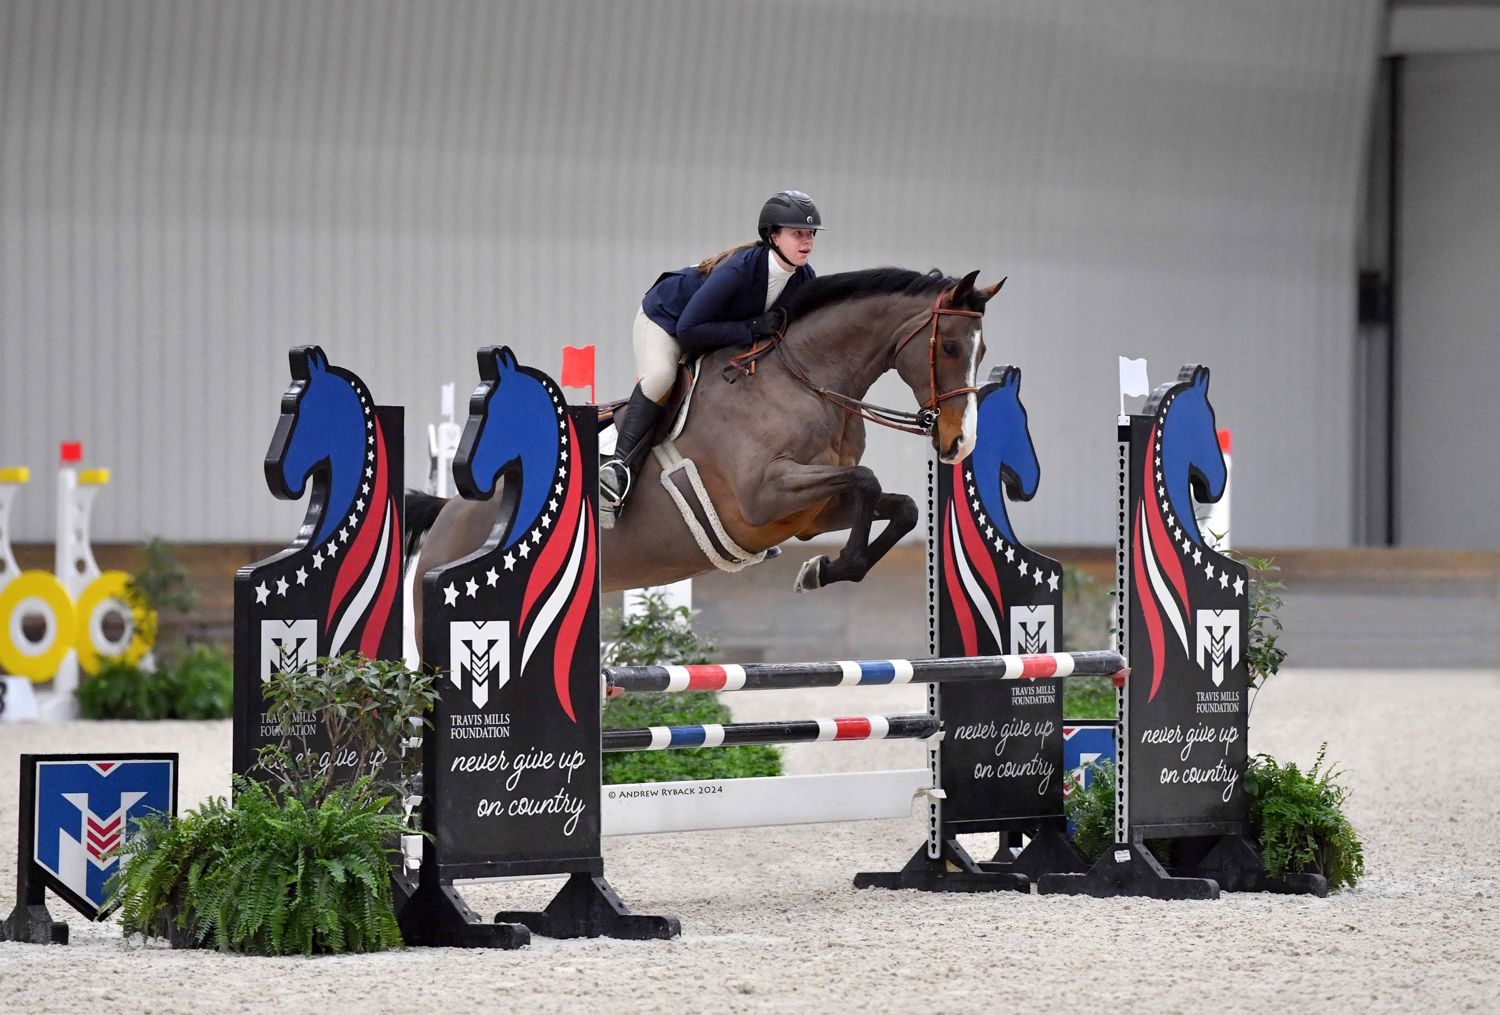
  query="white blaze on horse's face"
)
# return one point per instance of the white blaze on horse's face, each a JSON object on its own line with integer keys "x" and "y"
{"x": 970, "y": 428}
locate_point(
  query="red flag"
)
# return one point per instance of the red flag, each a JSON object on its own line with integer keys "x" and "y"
{"x": 578, "y": 368}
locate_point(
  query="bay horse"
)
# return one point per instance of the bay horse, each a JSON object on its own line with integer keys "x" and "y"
{"x": 777, "y": 440}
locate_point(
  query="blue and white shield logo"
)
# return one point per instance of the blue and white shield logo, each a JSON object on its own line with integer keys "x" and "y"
{"x": 84, "y": 810}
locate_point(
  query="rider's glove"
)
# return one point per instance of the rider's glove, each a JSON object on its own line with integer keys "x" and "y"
{"x": 770, "y": 323}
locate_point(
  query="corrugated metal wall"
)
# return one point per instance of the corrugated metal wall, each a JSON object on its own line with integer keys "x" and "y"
{"x": 188, "y": 188}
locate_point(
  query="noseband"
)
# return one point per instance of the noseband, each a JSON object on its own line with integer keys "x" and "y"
{"x": 920, "y": 422}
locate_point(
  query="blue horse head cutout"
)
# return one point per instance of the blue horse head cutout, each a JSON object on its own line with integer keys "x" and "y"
{"x": 1003, "y": 451}
{"x": 513, "y": 430}
{"x": 1190, "y": 452}
{"x": 321, "y": 434}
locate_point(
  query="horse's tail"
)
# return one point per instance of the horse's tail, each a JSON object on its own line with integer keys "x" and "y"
{"x": 420, "y": 510}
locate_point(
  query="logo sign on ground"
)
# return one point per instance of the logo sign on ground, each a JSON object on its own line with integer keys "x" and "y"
{"x": 81, "y": 810}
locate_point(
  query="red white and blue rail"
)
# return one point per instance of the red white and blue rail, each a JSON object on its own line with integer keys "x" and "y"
{"x": 850, "y": 673}
{"x": 915, "y": 726}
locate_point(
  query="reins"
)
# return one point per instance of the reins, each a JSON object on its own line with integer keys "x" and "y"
{"x": 920, "y": 422}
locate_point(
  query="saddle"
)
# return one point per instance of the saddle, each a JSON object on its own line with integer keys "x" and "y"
{"x": 678, "y": 402}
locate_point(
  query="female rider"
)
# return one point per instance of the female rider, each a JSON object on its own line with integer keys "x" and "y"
{"x": 731, "y": 298}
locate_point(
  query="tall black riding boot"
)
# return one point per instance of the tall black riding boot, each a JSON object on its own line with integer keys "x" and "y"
{"x": 618, "y": 470}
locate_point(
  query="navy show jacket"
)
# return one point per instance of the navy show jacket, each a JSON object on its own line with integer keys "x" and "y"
{"x": 708, "y": 312}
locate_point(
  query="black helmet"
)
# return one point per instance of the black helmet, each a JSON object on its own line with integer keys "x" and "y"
{"x": 790, "y": 208}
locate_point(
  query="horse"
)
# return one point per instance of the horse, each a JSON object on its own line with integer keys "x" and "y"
{"x": 1007, "y": 454}
{"x": 776, "y": 434}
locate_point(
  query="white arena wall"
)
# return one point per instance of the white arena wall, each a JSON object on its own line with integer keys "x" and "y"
{"x": 189, "y": 188}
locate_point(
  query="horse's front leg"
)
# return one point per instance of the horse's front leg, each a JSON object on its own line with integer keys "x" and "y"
{"x": 860, "y": 554}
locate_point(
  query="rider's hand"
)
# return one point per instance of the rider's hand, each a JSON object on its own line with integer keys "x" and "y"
{"x": 770, "y": 323}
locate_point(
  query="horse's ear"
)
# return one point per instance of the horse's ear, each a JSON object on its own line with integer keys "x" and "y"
{"x": 1011, "y": 378}
{"x": 1200, "y": 378}
{"x": 506, "y": 359}
{"x": 987, "y": 293}
{"x": 961, "y": 291}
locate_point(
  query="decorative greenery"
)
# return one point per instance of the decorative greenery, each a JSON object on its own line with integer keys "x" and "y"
{"x": 1086, "y": 605}
{"x": 299, "y": 863}
{"x": 1265, "y": 656}
{"x": 199, "y": 685}
{"x": 307, "y": 872}
{"x": 159, "y": 586}
{"x": 1298, "y": 819}
{"x": 368, "y": 710}
{"x": 1091, "y": 809}
{"x": 661, "y": 634}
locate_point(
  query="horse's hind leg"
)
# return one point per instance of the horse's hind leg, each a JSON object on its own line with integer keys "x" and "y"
{"x": 860, "y": 553}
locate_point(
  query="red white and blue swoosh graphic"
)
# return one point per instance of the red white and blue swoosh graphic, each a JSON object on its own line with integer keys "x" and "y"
{"x": 1156, "y": 569}
{"x": 562, "y": 583}
{"x": 369, "y": 576}
{"x": 969, "y": 570}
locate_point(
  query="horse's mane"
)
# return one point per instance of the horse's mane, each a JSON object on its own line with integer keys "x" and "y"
{"x": 826, "y": 289}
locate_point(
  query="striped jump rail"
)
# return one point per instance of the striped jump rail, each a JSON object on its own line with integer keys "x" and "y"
{"x": 915, "y": 726}
{"x": 852, "y": 673}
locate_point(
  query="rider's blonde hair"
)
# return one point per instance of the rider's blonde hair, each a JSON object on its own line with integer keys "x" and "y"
{"x": 708, "y": 264}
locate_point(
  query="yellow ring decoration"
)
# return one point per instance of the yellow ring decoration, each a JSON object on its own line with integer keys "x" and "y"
{"x": 106, "y": 592}
{"x": 38, "y": 591}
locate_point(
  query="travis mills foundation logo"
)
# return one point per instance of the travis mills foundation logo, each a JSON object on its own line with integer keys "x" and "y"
{"x": 286, "y": 646}
{"x": 479, "y": 655}
{"x": 1031, "y": 629}
{"x": 1218, "y": 638}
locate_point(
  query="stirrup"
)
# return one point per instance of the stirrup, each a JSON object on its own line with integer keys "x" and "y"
{"x": 610, "y": 497}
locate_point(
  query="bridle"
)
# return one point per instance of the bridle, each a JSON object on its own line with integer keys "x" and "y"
{"x": 920, "y": 422}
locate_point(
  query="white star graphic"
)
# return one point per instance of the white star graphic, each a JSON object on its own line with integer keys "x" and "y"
{"x": 1197, "y": 557}
{"x": 564, "y": 455}
{"x": 523, "y": 550}
{"x": 472, "y": 587}
{"x": 1023, "y": 568}
{"x": 492, "y": 576}
{"x": 281, "y": 586}
{"x": 1037, "y": 574}
{"x": 359, "y": 505}
{"x": 510, "y": 562}
{"x": 332, "y": 548}
{"x": 261, "y": 592}
{"x": 558, "y": 488}
{"x": 1208, "y": 570}
{"x": 317, "y": 560}
{"x": 1052, "y": 581}
{"x": 1010, "y": 554}
{"x": 450, "y": 596}
{"x": 365, "y": 488}
{"x": 1239, "y": 586}
{"x": 1223, "y": 579}
{"x": 344, "y": 534}
{"x": 536, "y": 537}
{"x": 552, "y": 504}
{"x": 301, "y": 576}
{"x": 369, "y": 473}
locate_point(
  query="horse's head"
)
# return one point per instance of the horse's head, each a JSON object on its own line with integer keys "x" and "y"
{"x": 940, "y": 361}
{"x": 1004, "y": 451}
{"x": 1190, "y": 452}
{"x": 321, "y": 429}
{"x": 512, "y": 428}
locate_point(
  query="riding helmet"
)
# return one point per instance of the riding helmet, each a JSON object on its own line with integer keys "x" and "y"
{"x": 790, "y": 208}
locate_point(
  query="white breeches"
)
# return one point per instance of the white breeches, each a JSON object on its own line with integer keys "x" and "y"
{"x": 656, "y": 357}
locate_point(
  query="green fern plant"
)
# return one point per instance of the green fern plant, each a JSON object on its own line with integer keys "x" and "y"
{"x": 1298, "y": 819}
{"x": 307, "y": 872}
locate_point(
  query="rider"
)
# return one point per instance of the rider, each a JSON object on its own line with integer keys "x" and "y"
{"x": 732, "y": 298}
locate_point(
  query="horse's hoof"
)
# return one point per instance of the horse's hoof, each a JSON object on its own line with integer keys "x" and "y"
{"x": 773, "y": 553}
{"x": 811, "y": 575}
